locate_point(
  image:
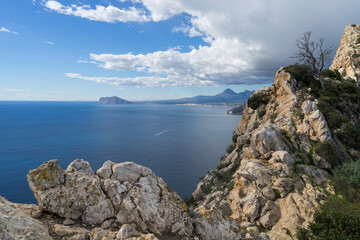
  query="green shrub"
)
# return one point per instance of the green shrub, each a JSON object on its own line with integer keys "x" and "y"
{"x": 336, "y": 219}
{"x": 348, "y": 87}
{"x": 206, "y": 188}
{"x": 256, "y": 100}
{"x": 223, "y": 176}
{"x": 337, "y": 74}
{"x": 335, "y": 120}
{"x": 230, "y": 148}
{"x": 262, "y": 113}
{"x": 189, "y": 201}
{"x": 234, "y": 138}
{"x": 328, "y": 152}
{"x": 349, "y": 134}
{"x": 221, "y": 166}
{"x": 226, "y": 176}
{"x": 256, "y": 125}
{"x": 328, "y": 73}
{"x": 303, "y": 74}
{"x": 242, "y": 193}
{"x": 230, "y": 186}
{"x": 349, "y": 172}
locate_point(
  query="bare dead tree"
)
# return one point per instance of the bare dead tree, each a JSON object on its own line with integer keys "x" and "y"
{"x": 314, "y": 54}
{"x": 355, "y": 65}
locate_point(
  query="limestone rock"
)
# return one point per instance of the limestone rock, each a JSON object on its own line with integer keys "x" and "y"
{"x": 74, "y": 193}
{"x": 126, "y": 231}
{"x": 141, "y": 198}
{"x": 269, "y": 215}
{"x": 314, "y": 124}
{"x": 274, "y": 187}
{"x": 16, "y": 224}
{"x": 349, "y": 43}
{"x": 123, "y": 193}
{"x": 62, "y": 230}
{"x": 210, "y": 224}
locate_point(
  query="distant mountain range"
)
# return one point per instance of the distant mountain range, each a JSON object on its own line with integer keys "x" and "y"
{"x": 227, "y": 97}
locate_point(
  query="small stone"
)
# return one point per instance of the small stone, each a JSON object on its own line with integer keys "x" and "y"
{"x": 78, "y": 236}
{"x": 107, "y": 224}
{"x": 36, "y": 214}
{"x": 68, "y": 221}
{"x": 127, "y": 231}
{"x": 253, "y": 230}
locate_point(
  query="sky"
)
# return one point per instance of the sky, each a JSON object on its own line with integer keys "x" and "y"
{"x": 66, "y": 50}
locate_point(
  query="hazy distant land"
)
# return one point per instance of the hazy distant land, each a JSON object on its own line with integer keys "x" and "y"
{"x": 225, "y": 98}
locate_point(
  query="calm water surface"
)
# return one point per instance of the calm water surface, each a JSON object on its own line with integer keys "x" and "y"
{"x": 179, "y": 143}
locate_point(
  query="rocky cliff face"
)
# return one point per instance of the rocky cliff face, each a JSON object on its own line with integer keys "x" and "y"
{"x": 273, "y": 180}
{"x": 350, "y": 42}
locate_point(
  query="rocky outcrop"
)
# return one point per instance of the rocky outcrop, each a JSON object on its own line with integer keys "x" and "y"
{"x": 73, "y": 193}
{"x": 350, "y": 42}
{"x": 16, "y": 224}
{"x": 273, "y": 181}
{"x": 237, "y": 110}
{"x": 119, "y": 194}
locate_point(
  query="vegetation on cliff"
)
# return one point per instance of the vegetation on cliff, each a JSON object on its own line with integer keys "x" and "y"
{"x": 339, "y": 216}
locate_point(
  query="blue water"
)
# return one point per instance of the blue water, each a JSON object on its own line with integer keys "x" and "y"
{"x": 179, "y": 143}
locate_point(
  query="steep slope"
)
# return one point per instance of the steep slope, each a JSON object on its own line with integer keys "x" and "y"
{"x": 273, "y": 180}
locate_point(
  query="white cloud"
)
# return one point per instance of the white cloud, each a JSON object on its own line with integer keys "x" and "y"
{"x": 48, "y": 42}
{"x": 3, "y": 29}
{"x": 110, "y": 14}
{"x": 84, "y": 61}
{"x": 16, "y": 90}
{"x": 247, "y": 41}
{"x": 215, "y": 64}
{"x": 191, "y": 31}
{"x": 143, "y": 81}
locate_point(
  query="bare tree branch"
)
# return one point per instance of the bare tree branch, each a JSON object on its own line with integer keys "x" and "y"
{"x": 308, "y": 50}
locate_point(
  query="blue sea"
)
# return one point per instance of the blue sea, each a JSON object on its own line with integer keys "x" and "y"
{"x": 179, "y": 143}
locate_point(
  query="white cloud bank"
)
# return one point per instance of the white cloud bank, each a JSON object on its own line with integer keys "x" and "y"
{"x": 248, "y": 40}
{"x": 108, "y": 14}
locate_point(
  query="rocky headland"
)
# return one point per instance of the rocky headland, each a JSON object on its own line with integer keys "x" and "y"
{"x": 270, "y": 183}
{"x": 113, "y": 100}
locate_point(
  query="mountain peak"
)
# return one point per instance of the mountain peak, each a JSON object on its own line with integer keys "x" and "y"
{"x": 229, "y": 91}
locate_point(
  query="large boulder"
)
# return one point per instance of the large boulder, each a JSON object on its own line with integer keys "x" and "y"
{"x": 73, "y": 193}
{"x": 141, "y": 198}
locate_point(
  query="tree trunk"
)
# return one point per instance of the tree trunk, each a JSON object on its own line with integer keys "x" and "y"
{"x": 322, "y": 82}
